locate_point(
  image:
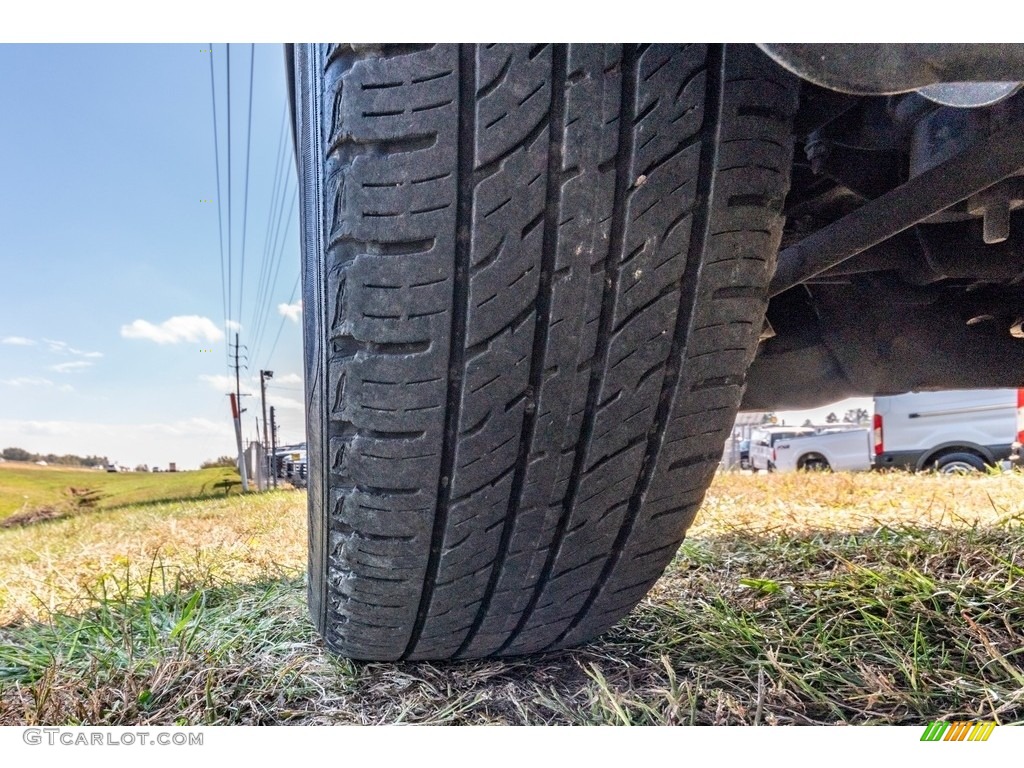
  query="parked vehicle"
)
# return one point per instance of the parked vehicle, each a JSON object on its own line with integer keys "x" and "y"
{"x": 949, "y": 431}
{"x": 744, "y": 454}
{"x": 286, "y": 458}
{"x": 763, "y": 441}
{"x": 839, "y": 450}
{"x": 295, "y": 467}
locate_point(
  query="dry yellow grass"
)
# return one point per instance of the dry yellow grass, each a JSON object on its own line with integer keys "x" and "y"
{"x": 798, "y": 503}
{"x": 62, "y": 566}
{"x": 796, "y": 599}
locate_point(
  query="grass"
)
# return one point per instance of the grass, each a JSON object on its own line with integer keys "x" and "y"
{"x": 869, "y": 598}
{"x": 27, "y": 488}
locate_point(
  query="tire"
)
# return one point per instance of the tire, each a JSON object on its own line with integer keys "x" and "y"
{"x": 533, "y": 280}
{"x": 959, "y": 463}
{"x": 813, "y": 463}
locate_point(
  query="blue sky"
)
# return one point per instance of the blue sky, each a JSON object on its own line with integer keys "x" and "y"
{"x": 111, "y": 275}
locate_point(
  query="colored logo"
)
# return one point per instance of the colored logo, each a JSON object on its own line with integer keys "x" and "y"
{"x": 957, "y": 731}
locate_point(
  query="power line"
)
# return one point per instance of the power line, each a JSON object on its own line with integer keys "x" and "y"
{"x": 277, "y": 270}
{"x": 229, "y": 177}
{"x": 270, "y": 219}
{"x": 274, "y": 268}
{"x": 245, "y": 206}
{"x": 266, "y": 303}
{"x": 281, "y": 326}
{"x": 216, "y": 157}
{"x": 264, "y": 276}
{"x": 268, "y": 283}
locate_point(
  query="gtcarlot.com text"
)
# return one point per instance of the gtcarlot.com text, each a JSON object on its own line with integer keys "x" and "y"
{"x": 77, "y": 737}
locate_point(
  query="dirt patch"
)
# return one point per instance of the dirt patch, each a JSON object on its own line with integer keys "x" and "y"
{"x": 77, "y": 500}
{"x": 33, "y": 516}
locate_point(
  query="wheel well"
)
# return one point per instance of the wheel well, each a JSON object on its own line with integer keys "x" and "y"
{"x": 932, "y": 458}
{"x": 811, "y": 456}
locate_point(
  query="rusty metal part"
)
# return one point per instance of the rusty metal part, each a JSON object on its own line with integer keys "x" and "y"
{"x": 886, "y": 68}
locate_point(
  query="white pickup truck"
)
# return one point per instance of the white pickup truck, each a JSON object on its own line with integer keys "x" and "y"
{"x": 839, "y": 450}
{"x": 764, "y": 439}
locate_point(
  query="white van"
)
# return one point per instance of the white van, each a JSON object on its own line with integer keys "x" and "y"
{"x": 950, "y": 431}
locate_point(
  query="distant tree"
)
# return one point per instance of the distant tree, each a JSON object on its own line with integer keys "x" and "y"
{"x": 808, "y": 423}
{"x": 67, "y": 460}
{"x": 831, "y": 419}
{"x": 856, "y": 416}
{"x": 221, "y": 461}
{"x": 769, "y": 418}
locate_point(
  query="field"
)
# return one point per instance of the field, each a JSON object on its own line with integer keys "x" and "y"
{"x": 25, "y": 487}
{"x": 867, "y": 598}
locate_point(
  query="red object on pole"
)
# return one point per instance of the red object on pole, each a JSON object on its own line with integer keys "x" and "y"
{"x": 234, "y": 406}
{"x": 1020, "y": 415}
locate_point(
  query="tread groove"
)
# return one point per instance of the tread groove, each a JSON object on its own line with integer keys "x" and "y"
{"x": 542, "y": 308}
{"x": 615, "y": 246}
{"x": 460, "y": 303}
{"x": 709, "y": 138}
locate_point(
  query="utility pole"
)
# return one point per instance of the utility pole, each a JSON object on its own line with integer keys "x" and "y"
{"x": 259, "y": 460}
{"x": 273, "y": 446}
{"x": 237, "y": 417}
{"x": 264, "y": 375}
{"x": 236, "y": 412}
{"x": 238, "y": 386}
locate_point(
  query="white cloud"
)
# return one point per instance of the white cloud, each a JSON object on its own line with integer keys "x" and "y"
{"x": 292, "y": 311}
{"x": 35, "y": 381}
{"x": 19, "y": 341}
{"x": 232, "y": 325}
{"x": 284, "y": 402}
{"x": 219, "y": 381}
{"x": 176, "y": 329}
{"x": 224, "y": 383}
{"x": 193, "y": 426}
{"x": 75, "y": 365}
{"x": 62, "y": 347}
{"x": 288, "y": 378}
